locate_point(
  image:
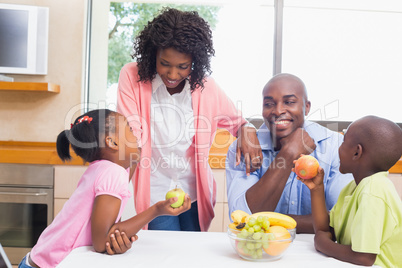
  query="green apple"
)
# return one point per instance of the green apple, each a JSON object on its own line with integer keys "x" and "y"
{"x": 180, "y": 197}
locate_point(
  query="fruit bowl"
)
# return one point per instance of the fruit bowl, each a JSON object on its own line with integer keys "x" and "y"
{"x": 261, "y": 246}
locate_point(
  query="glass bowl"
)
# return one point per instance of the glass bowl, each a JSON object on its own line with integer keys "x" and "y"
{"x": 261, "y": 246}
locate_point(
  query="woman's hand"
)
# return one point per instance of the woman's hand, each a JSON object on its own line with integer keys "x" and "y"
{"x": 249, "y": 146}
{"x": 119, "y": 243}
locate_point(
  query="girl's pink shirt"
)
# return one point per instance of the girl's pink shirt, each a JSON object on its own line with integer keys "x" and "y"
{"x": 212, "y": 110}
{"x": 71, "y": 228}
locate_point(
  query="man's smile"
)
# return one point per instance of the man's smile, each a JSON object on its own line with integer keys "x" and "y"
{"x": 282, "y": 123}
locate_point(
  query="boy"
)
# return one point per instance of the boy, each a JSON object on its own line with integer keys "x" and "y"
{"x": 366, "y": 221}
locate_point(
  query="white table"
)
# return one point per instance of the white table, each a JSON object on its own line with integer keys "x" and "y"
{"x": 197, "y": 249}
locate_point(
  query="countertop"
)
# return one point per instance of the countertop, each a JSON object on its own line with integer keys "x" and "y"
{"x": 197, "y": 249}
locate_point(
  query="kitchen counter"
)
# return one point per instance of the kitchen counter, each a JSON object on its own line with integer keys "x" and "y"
{"x": 197, "y": 249}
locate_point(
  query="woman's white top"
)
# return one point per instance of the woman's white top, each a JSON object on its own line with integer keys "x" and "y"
{"x": 172, "y": 136}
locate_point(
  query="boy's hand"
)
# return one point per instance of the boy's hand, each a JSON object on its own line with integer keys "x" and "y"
{"x": 119, "y": 243}
{"x": 315, "y": 182}
{"x": 164, "y": 207}
{"x": 321, "y": 238}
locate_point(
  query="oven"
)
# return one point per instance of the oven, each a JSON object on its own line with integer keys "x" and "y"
{"x": 26, "y": 206}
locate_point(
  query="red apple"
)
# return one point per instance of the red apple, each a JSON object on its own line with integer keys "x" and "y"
{"x": 306, "y": 167}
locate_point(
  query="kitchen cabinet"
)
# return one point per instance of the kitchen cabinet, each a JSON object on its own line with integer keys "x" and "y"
{"x": 66, "y": 179}
{"x": 221, "y": 220}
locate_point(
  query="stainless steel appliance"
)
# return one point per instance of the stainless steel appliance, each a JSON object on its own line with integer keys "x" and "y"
{"x": 26, "y": 206}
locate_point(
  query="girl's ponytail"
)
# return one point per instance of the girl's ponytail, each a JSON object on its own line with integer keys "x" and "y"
{"x": 63, "y": 145}
{"x": 85, "y": 136}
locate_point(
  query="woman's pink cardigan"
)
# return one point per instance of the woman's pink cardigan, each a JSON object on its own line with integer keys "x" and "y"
{"x": 212, "y": 110}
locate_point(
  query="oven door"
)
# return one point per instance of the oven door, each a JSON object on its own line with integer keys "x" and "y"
{"x": 24, "y": 214}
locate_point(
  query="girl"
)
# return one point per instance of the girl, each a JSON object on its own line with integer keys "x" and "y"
{"x": 175, "y": 110}
{"x": 91, "y": 216}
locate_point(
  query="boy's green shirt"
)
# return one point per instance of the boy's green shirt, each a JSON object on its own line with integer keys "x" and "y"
{"x": 369, "y": 218}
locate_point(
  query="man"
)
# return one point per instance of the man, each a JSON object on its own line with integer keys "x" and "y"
{"x": 284, "y": 136}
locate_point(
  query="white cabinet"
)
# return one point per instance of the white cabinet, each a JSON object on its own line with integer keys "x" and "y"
{"x": 65, "y": 182}
{"x": 221, "y": 219}
{"x": 396, "y": 178}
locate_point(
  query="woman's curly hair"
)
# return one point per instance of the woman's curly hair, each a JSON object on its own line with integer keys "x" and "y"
{"x": 184, "y": 31}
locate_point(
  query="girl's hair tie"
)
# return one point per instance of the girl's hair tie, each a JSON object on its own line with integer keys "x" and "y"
{"x": 85, "y": 118}
{"x": 82, "y": 119}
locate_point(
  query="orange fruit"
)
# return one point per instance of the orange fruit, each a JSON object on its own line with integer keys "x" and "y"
{"x": 241, "y": 251}
{"x": 306, "y": 167}
{"x": 276, "y": 246}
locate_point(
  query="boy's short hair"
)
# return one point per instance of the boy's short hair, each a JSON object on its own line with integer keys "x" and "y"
{"x": 381, "y": 138}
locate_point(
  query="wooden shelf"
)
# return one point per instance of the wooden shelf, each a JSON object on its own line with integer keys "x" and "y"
{"x": 16, "y": 152}
{"x": 30, "y": 86}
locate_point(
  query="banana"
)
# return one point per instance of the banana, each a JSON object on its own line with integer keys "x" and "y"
{"x": 239, "y": 216}
{"x": 232, "y": 226}
{"x": 275, "y": 219}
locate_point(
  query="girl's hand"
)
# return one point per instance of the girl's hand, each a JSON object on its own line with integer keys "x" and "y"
{"x": 119, "y": 243}
{"x": 249, "y": 146}
{"x": 164, "y": 207}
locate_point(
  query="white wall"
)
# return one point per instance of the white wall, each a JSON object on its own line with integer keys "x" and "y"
{"x": 40, "y": 116}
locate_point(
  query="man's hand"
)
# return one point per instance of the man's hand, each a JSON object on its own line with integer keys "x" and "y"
{"x": 297, "y": 143}
{"x": 249, "y": 146}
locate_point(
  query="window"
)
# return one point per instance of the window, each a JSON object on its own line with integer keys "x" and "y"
{"x": 243, "y": 52}
{"x": 348, "y": 53}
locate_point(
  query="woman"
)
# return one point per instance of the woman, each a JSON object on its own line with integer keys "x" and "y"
{"x": 178, "y": 108}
